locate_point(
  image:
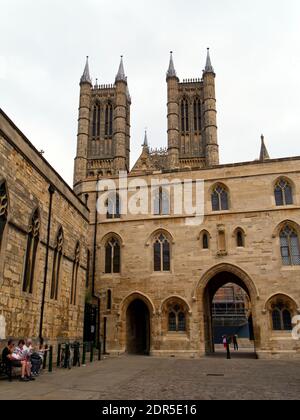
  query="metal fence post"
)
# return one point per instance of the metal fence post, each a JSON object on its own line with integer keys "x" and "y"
{"x": 50, "y": 359}
{"x": 92, "y": 353}
{"x": 58, "y": 355}
{"x": 83, "y": 354}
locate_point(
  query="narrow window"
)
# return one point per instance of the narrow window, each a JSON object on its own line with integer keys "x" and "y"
{"x": 75, "y": 274}
{"x": 289, "y": 244}
{"x": 205, "y": 241}
{"x": 240, "y": 239}
{"x": 3, "y": 210}
{"x": 113, "y": 207}
{"x": 162, "y": 254}
{"x": 57, "y": 258}
{"x": 185, "y": 116}
{"x": 112, "y": 257}
{"x": 197, "y": 115}
{"x": 30, "y": 256}
{"x": 109, "y": 300}
{"x": 161, "y": 202}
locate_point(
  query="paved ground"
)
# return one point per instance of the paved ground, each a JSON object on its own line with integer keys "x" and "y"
{"x": 138, "y": 378}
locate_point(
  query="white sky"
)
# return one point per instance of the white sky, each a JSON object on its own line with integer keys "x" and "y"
{"x": 254, "y": 48}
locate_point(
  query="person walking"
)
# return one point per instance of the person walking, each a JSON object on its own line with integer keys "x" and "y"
{"x": 235, "y": 342}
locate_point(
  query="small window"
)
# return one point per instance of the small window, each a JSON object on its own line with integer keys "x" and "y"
{"x": 240, "y": 239}
{"x": 161, "y": 202}
{"x": 281, "y": 317}
{"x": 219, "y": 199}
{"x": 177, "y": 319}
{"x": 283, "y": 193}
{"x": 205, "y": 241}
{"x": 113, "y": 207}
{"x": 109, "y": 300}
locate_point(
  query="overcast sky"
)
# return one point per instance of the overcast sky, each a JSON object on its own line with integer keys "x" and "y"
{"x": 255, "y": 50}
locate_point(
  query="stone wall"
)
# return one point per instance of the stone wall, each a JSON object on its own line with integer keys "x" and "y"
{"x": 28, "y": 177}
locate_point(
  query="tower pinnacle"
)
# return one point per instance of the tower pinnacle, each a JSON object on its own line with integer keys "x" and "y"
{"x": 121, "y": 77}
{"x": 171, "y": 71}
{"x": 264, "y": 154}
{"x": 85, "y": 78}
{"x": 208, "y": 67}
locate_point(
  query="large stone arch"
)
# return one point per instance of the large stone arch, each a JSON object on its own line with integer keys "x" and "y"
{"x": 215, "y": 278}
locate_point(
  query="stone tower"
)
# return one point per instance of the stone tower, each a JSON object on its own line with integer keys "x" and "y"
{"x": 103, "y": 145}
{"x": 192, "y": 126}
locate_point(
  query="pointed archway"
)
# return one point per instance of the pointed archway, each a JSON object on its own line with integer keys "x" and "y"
{"x": 211, "y": 282}
{"x": 138, "y": 328}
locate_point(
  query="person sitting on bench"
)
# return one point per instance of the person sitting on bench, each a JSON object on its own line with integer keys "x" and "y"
{"x": 20, "y": 356}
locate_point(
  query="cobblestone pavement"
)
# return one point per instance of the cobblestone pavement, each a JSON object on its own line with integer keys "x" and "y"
{"x": 138, "y": 378}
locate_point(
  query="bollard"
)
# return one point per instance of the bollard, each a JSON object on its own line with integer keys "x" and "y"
{"x": 67, "y": 355}
{"x": 83, "y": 354}
{"x": 92, "y": 353}
{"x": 45, "y": 358}
{"x": 99, "y": 352}
{"x": 58, "y": 355}
{"x": 50, "y": 359}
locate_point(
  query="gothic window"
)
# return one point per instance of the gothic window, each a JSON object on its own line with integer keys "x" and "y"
{"x": 162, "y": 253}
{"x": 161, "y": 202}
{"x": 57, "y": 258}
{"x": 197, "y": 115}
{"x": 112, "y": 256}
{"x": 109, "y": 120}
{"x": 96, "y": 120}
{"x": 30, "y": 256}
{"x": 289, "y": 244}
{"x": 220, "y": 199}
{"x": 76, "y": 264}
{"x": 109, "y": 300}
{"x": 240, "y": 238}
{"x": 205, "y": 240}
{"x": 185, "y": 116}
{"x": 177, "y": 319}
{"x": 113, "y": 207}
{"x": 283, "y": 193}
{"x": 3, "y": 210}
{"x": 281, "y": 316}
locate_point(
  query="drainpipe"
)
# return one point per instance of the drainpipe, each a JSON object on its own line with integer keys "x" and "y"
{"x": 94, "y": 268}
{"x": 51, "y": 193}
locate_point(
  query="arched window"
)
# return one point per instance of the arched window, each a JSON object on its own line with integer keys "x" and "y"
{"x": 96, "y": 120}
{"x": 112, "y": 256}
{"x": 289, "y": 244}
{"x": 113, "y": 207}
{"x": 3, "y": 210}
{"x": 30, "y": 256}
{"x": 220, "y": 199}
{"x": 109, "y": 120}
{"x": 283, "y": 193}
{"x": 58, "y": 252}
{"x": 197, "y": 115}
{"x": 281, "y": 316}
{"x": 205, "y": 241}
{"x": 109, "y": 300}
{"x": 185, "y": 116}
{"x": 76, "y": 264}
{"x": 162, "y": 253}
{"x": 177, "y": 319}
{"x": 161, "y": 202}
{"x": 240, "y": 238}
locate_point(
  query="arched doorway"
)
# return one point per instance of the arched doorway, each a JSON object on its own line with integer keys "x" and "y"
{"x": 138, "y": 328}
{"x": 215, "y": 283}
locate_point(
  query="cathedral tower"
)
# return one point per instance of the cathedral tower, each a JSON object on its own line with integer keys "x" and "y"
{"x": 192, "y": 127}
{"x": 103, "y": 144}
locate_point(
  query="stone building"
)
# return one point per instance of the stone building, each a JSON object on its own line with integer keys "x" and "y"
{"x": 155, "y": 273}
{"x": 151, "y": 275}
{"x": 43, "y": 245}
